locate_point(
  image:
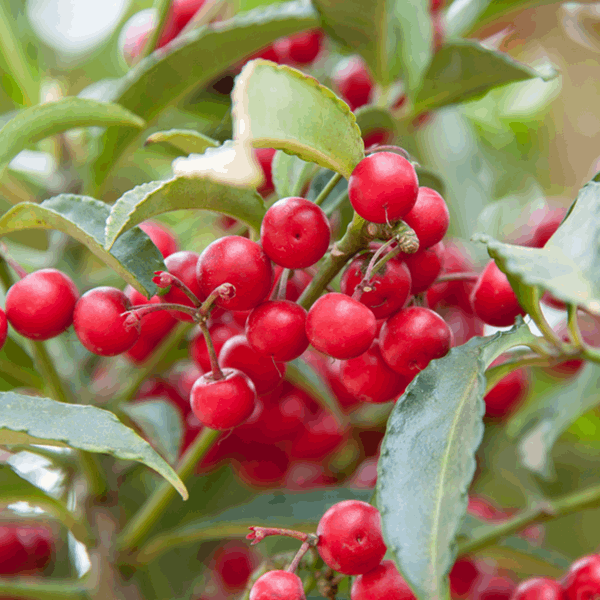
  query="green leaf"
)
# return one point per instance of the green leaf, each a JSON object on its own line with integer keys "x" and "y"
{"x": 134, "y": 257}
{"x": 35, "y": 420}
{"x": 374, "y": 118}
{"x": 297, "y": 115}
{"x": 567, "y": 265}
{"x": 465, "y": 70}
{"x": 187, "y": 141}
{"x": 16, "y": 364}
{"x": 393, "y": 36}
{"x": 167, "y": 76}
{"x": 428, "y": 460}
{"x": 291, "y": 174}
{"x": 157, "y": 197}
{"x": 38, "y": 122}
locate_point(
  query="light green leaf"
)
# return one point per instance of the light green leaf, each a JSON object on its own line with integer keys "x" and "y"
{"x": 134, "y": 257}
{"x": 291, "y": 174}
{"x": 428, "y": 460}
{"x": 157, "y": 197}
{"x": 297, "y": 114}
{"x": 187, "y": 141}
{"x": 35, "y": 420}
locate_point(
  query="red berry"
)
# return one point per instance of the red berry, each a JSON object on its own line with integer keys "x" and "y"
{"x": 183, "y": 265}
{"x": 463, "y": 577}
{"x": 180, "y": 14}
{"x": 495, "y": 588}
{"x": 277, "y": 329}
{"x": 219, "y": 334}
{"x": 369, "y": 379}
{"x": 264, "y": 156}
{"x": 538, "y": 588}
{"x": 297, "y": 282}
{"x": 264, "y": 372}
{"x": 582, "y": 581}
{"x": 382, "y": 583}
{"x": 429, "y": 217}
{"x": 233, "y": 563}
{"x": 24, "y": 549}
{"x": 223, "y": 403}
{"x": 240, "y": 262}
{"x": 321, "y": 435}
{"x": 278, "y": 585}
{"x": 412, "y": 338}
{"x": 507, "y": 394}
{"x": 350, "y": 539}
{"x": 424, "y": 266}
{"x": 3, "y": 328}
{"x": 261, "y": 466}
{"x": 98, "y": 322}
{"x": 295, "y": 233}
{"x": 340, "y": 326}
{"x": 377, "y": 137}
{"x": 155, "y": 325}
{"x": 383, "y": 187}
{"x": 546, "y": 228}
{"x": 40, "y": 306}
{"x": 464, "y": 325}
{"x": 353, "y": 81}
{"x": 301, "y": 49}
{"x": 388, "y": 289}
{"x": 136, "y": 35}
{"x": 493, "y": 299}
{"x": 162, "y": 237}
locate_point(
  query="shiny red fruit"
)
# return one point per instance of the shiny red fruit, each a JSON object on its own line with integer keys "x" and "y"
{"x": 278, "y": 585}
{"x": 24, "y": 549}
{"x": 382, "y": 583}
{"x": 429, "y": 217}
{"x": 463, "y": 576}
{"x": 180, "y": 14}
{"x": 353, "y": 81}
{"x": 162, "y": 237}
{"x": 582, "y": 581}
{"x": 507, "y": 394}
{"x": 183, "y": 265}
{"x": 538, "y": 588}
{"x": 424, "y": 267}
{"x": 301, "y": 48}
{"x": 155, "y": 325}
{"x": 233, "y": 563}
{"x": 40, "y": 306}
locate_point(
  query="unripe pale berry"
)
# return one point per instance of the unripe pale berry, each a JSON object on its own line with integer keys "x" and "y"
{"x": 278, "y": 585}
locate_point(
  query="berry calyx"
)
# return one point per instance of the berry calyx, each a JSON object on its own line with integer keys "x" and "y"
{"x": 382, "y": 583}
{"x": 278, "y": 585}
{"x": 162, "y": 237}
{"x": 493, "y": 299}
{"x": 538, "y": 588}
{"x": 582, "y": 582}
{"x": 350, "y": 539}
{"x": 223, "y": 403}
{"x": 429, "y": 217}
{"x": 412, "y": 338}
{"x": 277, "y": 329}
{"x": 340, "y": 326}
{"x": 183, "y": 265}
{"x": 99, "y": 322}
{"x": 40, "y": 306}
{"x": 353, "y": 81}
{"x": 240, "y": 262}
{"x": 383, "y": 187}
{"x": 295, "y": 233}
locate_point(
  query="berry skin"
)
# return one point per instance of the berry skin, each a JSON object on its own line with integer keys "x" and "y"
{"x": 24, "y": 550}
{"x": 340, "y": 326}
{"x": 463, "y": 576}
{"x": 493, "y": 300}
{"x": 429, "y": 218}
{"x": 40, "y": 306}
{"x": 350, "y": 539}
{"x": 295, "y": 233}
{"x": 412, "y": 338}
{"x": 223, "y": 403}
{"x": 219, "y": 334}
{"x": 507, "y": 394}
{"x": 183, "y": 265}
{"x": 240, "y": 262}
{"x": 3, "y": 328}
{"x": 354, "y": 83}
{"x": 277, "y": 329}
{"x": 582, "y": 581}
{"x": 161, "y": 236}
{"x": 299, "y": 49}
{"x": 390, "y": 287}
{"x": 383, "y": 187}
{"x": 233, "y": 563}
{"x": 180, "y": 14}
{"x": 322, "y": 434}
{"x": 157, "y": 324}
{"x": 382, "y": 583}
{"x": 264, "y": 156}
{"x": 538, "y": 588}
{"x": 424, "y": 266}
{"x": 98, "y": 322}
{"x": 278, "y": 585}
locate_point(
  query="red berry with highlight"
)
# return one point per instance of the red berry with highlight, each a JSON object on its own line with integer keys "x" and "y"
{"x": 40, "y": 306}
{"x": 278, "y": 585}
{"x": 383, "y": 187}
{"x": 301, "y": 48}
{"x": 295, "y": 233}
{"x": 582, "y": 581}
{"x": 538, "y": 588}
{"x": 382, "y": 583}
{"x": 340, "y": 326}
{"x": 429, "y": 218}
{"x": 350, "y": 539}
{"x": 353, "y": 81}
{"x": 162, "y": 237}
{"x": 183, "y": 265}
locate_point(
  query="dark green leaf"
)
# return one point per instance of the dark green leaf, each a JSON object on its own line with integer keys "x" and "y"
{"x": 428, "y": 460}
{"x": 464, "y": 70}
{"x": 296, "y": 114}
{"x": 181, "y": 192}
{"x": 291, "y": 174}
{"x": 187, "y": 141}
{"x": 393, "y": 36}
{"x": 134, "y": 257}
{"x": 17, "y": 364}
{"x": 567, "y": 265}
{"x": 374, "y": 118}
{"x": 35, "y": 420}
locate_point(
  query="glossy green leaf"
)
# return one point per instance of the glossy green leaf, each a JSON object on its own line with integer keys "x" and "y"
{"x": 43, "y": 120}
{"x": 464, "y": 70}
{"x": 428, "y": 460}
{"x": 134, "y": 257}
{"x": 35, "y": 420}
{"x": 291, "y": 174}
{"x": 567, "y": 265}
{"x": 393, "y": 36}
{"x": 182, "y": 192}
{"x": 191, "y": 62}
{"x": 297, "y": 114}
{"x": 187, "y": 141}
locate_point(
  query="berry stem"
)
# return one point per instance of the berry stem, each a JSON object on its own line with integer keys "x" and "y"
{"x": 164, "y": 279}
{"x": 225, "y": 290}
{"x": 19, "y": 270}
{"x": 327, "y": 189}
{"x": 573, "y": 326}
{"x": 299, "y": 555}
{"x": 260, "y": 533}
{"x": 137, "y": 312}
{"x": 162, "y": 12}
{"x": 217, "y": 374}
{"x": 282, "y": 288}
{"x": 467, "y": 276}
